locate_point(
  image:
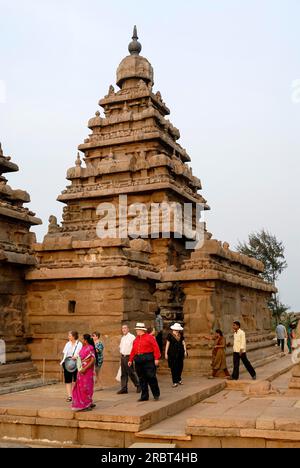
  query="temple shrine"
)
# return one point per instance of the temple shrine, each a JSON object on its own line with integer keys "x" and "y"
{"x": 81, "y": 281}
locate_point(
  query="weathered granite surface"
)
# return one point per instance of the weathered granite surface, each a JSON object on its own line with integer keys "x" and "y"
{"x": 16, "y": 256}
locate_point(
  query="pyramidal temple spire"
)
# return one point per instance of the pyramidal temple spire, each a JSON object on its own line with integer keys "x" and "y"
{"x": 135, "y": 46}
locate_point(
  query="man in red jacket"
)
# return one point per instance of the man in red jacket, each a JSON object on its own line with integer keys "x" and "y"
{"x": 145, "y": 354}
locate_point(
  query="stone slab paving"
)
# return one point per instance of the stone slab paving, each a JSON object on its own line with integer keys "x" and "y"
{"x": 201, "y": 407}
{"x": 231, "y": 412}
{"x": 152, "y": 446}
{"x": 44, "y": 411}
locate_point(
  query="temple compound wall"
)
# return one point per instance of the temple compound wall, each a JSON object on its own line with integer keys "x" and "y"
{"x": 92, "y": 282}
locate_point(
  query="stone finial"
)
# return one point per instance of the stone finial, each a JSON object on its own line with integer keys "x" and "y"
{"x": 97, "y": 114}
{"x": 1, "y": 151}
{"x": 226, "y": 245}
{"x": 78, "y": 161}
{"x": 111, "y": 90}
{"x": 135, "y": 47}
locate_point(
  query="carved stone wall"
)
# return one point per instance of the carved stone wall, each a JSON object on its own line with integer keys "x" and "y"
{"x": 98, "y": 304}
{"x": 16, "y": 256}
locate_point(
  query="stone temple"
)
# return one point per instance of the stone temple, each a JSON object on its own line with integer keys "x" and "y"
{"x": 16, "y": 256}
{"x": 78, "y": 280}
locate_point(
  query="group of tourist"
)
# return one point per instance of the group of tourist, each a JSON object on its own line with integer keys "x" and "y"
{"x": 82, "y": 360}
{"x": 139, "y": 359}
{"x": 284, "y": 335}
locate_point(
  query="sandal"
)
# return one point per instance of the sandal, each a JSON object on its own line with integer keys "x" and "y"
{"x": 69, "y": 399}
{"x": 175, "y": 385}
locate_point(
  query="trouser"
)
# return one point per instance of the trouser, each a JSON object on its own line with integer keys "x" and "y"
{"x": 159, "y": 340}
{"x": 176, "y": 370}
{"x": 146, "y": 372}
{"x": 236, "y": 365}
{"x": 280, "y": 343}
{"x": 127, "y": 372}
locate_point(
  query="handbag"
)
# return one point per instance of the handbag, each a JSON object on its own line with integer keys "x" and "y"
{"x": 70, "y": 364}
{"x": 119, "y": 374}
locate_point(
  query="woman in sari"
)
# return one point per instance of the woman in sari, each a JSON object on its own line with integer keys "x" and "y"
{"x": 82, "y": 396}
{"x": 218, "y": 364}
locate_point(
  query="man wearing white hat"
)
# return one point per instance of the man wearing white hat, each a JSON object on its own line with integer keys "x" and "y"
{"x": 145, "y": 354}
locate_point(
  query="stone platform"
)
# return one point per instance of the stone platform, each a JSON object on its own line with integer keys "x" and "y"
{"x": 41, "y": 417}
{"x": 244, "y": 414}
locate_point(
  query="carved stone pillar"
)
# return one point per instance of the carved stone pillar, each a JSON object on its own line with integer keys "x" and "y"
{"x": 199, "y": 320}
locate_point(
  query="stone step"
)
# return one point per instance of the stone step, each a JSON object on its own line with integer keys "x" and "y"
{"x": 118, "y": 421}
{"x": 18, "y": 378}
{"x": 149, "y": 445}
{"x": 23, "y": 442}
{"x": 18, "y": 370}
{"x": 43, "y": 414}
{"x": 21, "y": 385}
{"x": 182, "y": 428}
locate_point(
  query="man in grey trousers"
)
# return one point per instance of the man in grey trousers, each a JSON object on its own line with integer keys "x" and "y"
{"x": 126, "y": 372}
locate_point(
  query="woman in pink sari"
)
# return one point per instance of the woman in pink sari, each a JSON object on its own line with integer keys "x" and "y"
{"x": 82, "y": 395}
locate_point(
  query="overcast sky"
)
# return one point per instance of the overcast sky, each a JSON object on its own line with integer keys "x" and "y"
{"x": 225, "y": 68}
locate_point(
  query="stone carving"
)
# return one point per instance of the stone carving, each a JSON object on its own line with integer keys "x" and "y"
{"x": 142, "y": 85}
{"x": 111, "y": 90}
{"x": 78, "y": 161}
{"x": 53, "y": 226}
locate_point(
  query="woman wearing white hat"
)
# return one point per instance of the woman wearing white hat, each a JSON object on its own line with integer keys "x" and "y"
{"x": 175, "y": 353}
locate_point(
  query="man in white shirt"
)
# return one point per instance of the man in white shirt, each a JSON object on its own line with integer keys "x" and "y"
{"x": 239, "y": 353}
{"x": 126, "y": 371}
{"x": 281, "y": 335}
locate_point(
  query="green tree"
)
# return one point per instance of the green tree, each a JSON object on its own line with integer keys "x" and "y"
{"x": 265, "y": 247}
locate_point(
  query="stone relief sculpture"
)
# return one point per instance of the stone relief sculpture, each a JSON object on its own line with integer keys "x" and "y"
{"x": 53, "y": 225}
